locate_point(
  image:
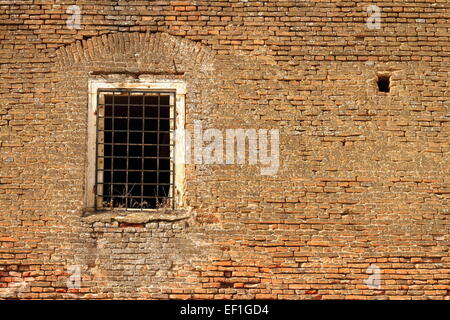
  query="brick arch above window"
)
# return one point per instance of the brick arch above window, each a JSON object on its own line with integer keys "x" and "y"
{"x": 135, "y": 52}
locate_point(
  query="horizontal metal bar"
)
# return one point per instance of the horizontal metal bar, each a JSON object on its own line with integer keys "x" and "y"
{"x": 135, "y": 118}
{"x": 136, "y": 144}
{"x": 145, "y": 184}
{"x": 134, "y": 197}
{"x": 120, "y": 197}
{"x": 140, "y": 131}
{"x": 125, "y": 157}
{"x": 141, "y": 105}
{"x": 134, "y": 171}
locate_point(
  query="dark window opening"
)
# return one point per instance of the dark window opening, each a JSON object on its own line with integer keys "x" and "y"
{"x": 383, "y": 83}
{"x": 134, "y": 167}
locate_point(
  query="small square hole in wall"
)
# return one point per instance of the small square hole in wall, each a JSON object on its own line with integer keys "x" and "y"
{"x": 384, "y": 83}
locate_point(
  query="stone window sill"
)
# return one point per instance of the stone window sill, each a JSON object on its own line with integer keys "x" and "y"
{"x": 137, "y": 217}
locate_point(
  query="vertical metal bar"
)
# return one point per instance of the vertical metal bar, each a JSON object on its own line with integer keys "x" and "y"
{"x": 128, "y": 151}
{"x": 157, "y": 150}
{"x": 172, "y": 123}
{"x": 142, "y": 151}
{"x": 111, "y": 192}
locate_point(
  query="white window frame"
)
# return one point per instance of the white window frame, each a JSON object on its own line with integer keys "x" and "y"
{"x": 177, "y": 153}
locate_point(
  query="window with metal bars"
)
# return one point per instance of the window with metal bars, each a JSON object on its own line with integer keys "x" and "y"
{"x": 134, "y": 149}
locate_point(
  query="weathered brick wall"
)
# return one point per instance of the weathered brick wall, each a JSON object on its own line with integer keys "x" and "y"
{"x": 364, "y": 177}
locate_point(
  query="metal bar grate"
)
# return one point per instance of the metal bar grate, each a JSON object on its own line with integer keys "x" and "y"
{"x": 134, "y": 162}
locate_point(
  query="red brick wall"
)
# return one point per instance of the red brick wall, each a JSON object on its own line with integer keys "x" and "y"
{"x": 364, "y": 177}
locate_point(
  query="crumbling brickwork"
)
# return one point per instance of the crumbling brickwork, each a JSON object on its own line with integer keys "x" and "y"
{"x": 363, "y": 185}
